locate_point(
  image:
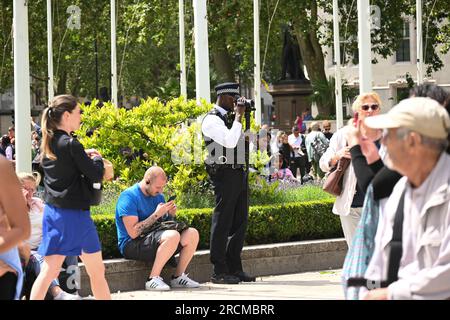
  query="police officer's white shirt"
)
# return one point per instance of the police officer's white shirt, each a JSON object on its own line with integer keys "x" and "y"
{"x": 213, "y": 127}
{"x": 296, "y": 142}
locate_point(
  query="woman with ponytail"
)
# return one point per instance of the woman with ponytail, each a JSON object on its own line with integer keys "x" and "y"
{"x": 68, "y": 229}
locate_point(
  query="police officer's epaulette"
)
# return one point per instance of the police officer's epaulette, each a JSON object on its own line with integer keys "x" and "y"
{"x": 215, "y": 112}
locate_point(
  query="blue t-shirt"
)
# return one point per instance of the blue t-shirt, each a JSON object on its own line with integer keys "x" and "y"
{"x": 133, "y": 202}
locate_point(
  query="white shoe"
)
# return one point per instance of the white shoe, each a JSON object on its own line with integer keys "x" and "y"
{"x": 183, "y": 281}
{"x": 66, "y": 296}
{"x": 157, "y": 284}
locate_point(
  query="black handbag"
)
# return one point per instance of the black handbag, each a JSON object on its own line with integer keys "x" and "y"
{"x": 91, "y": 190}
{"x": 179, "y": 226}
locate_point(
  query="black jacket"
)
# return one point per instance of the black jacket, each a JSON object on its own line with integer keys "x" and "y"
{"x": 285, "y": 150}
{"x": 63, "y": 176}
{"x": 382, "y": 178}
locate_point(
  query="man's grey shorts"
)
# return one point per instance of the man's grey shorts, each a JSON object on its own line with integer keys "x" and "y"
{"x": 144, "y": 249}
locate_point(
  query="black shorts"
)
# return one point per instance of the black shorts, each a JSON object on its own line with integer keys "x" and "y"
{"x": 144, "y": 249}
{"x": 8, "y": 283}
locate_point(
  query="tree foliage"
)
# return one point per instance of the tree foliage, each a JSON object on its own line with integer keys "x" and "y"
{"x": 148, "y": 49}
{"x": 135, "y": 139}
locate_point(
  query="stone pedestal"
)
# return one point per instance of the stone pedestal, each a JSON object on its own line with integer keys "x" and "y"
{"x": 290, "y": 99}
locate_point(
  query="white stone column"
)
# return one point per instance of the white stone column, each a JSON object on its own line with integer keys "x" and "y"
{"x": 364, "y": 45}
{"x": 113, "y": 55}
{"x": 183, "y": 83}
{"x": 337, "y": 66}
{"x": 257, "y": 67}
{"x": 202, "y": 84}
{"x": 419, "y": 42}
{"x": 50, "y": 51}
{"x": 22, "y": 108}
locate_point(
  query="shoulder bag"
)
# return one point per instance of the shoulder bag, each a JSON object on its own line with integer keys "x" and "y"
{"x": 179, "y": 226}
{"x": 92, "y": 190}
{"x": 334, "y": 181}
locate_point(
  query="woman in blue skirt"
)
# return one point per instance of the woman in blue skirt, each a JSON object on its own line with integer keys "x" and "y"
{"x": 67, "y": 228}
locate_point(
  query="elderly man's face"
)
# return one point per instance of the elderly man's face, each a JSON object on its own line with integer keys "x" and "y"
{"x": 397, "y": 157}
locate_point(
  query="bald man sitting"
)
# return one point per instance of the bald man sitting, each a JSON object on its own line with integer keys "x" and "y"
{"x": 139, "y": 207}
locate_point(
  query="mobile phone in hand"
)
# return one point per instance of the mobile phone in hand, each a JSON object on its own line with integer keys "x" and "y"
{"x": 168, "y": 200}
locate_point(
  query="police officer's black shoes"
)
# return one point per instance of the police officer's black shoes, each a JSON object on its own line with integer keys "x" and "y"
{"x": 244, "y": 277}
{"x": 224, "y": 278}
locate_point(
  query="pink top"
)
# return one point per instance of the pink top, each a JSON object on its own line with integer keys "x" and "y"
{"x": 282, "y": 174}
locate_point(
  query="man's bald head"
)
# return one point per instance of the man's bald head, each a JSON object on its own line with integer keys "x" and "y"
{"x": 153, "y": 173}
{"x": 154, "y": 181}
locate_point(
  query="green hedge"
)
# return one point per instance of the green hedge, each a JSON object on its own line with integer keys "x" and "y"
{"x": 267, "y": 224}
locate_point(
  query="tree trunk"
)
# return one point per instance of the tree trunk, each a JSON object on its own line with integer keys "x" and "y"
{"x": 311, "y": 51}
{"x": 75, "y": 87}
{"x": 62, "y": 83}
{"x": 314, "y": 63}
{"x": 223, "y": 64}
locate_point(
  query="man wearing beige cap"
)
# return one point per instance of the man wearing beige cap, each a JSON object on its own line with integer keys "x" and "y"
{"x": 411, "y": 260}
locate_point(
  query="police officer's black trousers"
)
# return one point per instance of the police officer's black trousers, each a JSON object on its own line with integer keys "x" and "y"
{"x": 229, "y": 221}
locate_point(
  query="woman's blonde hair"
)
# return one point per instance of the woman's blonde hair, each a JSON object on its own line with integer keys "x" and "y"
{"x": 34, "y": 176}
{"x": 51, "y": 118}
{"x": 359, "y": 100}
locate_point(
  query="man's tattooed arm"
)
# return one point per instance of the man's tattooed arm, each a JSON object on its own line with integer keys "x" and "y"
{"x": 141, "y": 226}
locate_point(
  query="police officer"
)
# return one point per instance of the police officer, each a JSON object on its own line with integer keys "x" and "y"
{"x": 222, "y": 131}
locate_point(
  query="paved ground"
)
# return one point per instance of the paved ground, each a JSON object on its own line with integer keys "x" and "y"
{"x": 321, "y": 285}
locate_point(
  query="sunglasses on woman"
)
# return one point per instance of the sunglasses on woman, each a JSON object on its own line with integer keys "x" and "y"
{"x": 366, "y": 107}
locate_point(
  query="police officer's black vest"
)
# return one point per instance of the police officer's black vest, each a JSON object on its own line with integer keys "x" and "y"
{"x": 225, "y": 157}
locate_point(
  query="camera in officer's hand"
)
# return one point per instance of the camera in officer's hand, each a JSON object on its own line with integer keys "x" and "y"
{"x": 248, "y": 103}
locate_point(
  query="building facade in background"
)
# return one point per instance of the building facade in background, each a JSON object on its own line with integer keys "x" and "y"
{"x": 390, "y": 74}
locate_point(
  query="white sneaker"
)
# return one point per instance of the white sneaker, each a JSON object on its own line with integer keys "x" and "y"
{"x": 157, "y": 284}
{"x": 66, "y": 296}
{"x": 183, "y": 281}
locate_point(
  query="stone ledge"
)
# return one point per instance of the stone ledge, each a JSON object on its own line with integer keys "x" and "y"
{"x": 259, "y": 260}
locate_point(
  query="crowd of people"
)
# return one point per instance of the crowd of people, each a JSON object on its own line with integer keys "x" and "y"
{"x": 8, "y": 145}
{"x": 394, "y": 206}
{"x": 295, "y": 157}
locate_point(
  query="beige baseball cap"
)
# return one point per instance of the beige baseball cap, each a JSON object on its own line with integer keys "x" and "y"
{"x": 423, "y": 115}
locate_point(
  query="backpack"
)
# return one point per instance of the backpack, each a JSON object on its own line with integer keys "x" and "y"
{"x": 318, "y": 148}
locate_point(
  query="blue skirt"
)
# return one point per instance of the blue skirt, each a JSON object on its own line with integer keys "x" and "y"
{"x": 68, "y": 232}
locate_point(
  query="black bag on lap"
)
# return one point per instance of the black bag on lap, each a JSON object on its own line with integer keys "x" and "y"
{"x": 179, "y": 226}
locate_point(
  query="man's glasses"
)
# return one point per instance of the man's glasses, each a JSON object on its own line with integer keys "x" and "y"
{"x": 366, "y": 107}
{"x": 326, "y": 129}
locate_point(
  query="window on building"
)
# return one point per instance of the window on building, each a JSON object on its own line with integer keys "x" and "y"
{"x": 403, "y": 53}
